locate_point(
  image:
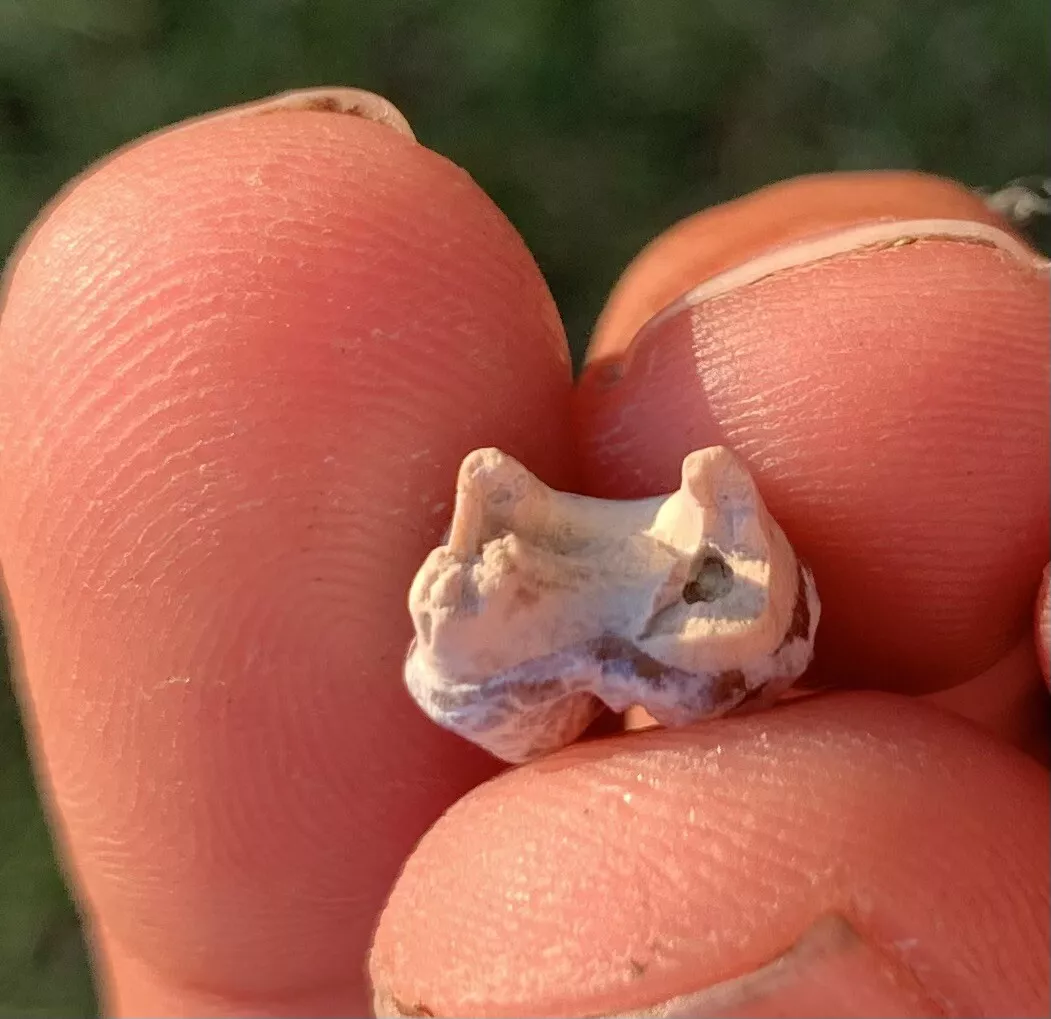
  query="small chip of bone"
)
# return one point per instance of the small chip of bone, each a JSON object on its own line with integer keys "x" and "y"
{"x": 543, "y": 606}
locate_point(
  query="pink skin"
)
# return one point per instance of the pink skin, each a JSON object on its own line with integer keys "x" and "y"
{"x": 239, "y": 365}
{"x": 1043, "y": 625}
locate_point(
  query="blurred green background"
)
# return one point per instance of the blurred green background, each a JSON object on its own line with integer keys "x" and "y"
{"x": 594, "y": 124}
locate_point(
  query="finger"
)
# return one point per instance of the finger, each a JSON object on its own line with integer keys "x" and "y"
{"x": 239, "y": 365}
{"x": 902, "y": 852}
{"x": 887, "y": 382}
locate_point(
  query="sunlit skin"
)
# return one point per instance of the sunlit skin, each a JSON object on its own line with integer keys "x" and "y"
{"x": 240, "y": 363}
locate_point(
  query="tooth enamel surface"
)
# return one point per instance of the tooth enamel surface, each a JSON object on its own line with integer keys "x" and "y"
{"x": 543, "y": 606}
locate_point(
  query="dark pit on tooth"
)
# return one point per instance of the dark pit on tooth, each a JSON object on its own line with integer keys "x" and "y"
{"x": 712, "y": 579}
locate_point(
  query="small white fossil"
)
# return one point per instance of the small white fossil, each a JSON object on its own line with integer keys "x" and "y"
{"x": 541, "y": 606}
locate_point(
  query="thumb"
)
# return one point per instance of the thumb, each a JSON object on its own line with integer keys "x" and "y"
{"x": 859, "y": 854}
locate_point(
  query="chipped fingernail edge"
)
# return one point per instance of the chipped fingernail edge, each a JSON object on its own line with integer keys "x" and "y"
{"x": 336, "y": 99}
{"x": 353, "y": 101}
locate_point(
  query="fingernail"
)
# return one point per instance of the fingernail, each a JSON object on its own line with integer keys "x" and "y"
{"x": 830, "y": 971}
{"x": 736, "y": 234}
{"x": 842, "y": 243}
{"x": 1043, "y": 624}
{"x": 354, "y": 102}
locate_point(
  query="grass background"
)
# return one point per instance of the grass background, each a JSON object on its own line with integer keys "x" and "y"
{"x": 592, "y": 123}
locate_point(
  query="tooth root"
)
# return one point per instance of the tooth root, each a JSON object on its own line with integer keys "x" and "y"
{"x": 489, "y": 489}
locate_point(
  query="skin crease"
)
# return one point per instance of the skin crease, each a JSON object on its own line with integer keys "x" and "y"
{"x": 1042, "y": 624}
{"x": 239, "y": 364}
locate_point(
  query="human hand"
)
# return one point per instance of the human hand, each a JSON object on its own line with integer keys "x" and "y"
{"x": 239, "y": 365}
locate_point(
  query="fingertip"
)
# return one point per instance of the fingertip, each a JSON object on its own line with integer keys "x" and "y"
{"x": 619, "y": 874}
{"x": 887, "y": 385}
{"x": 239, "y": 365}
